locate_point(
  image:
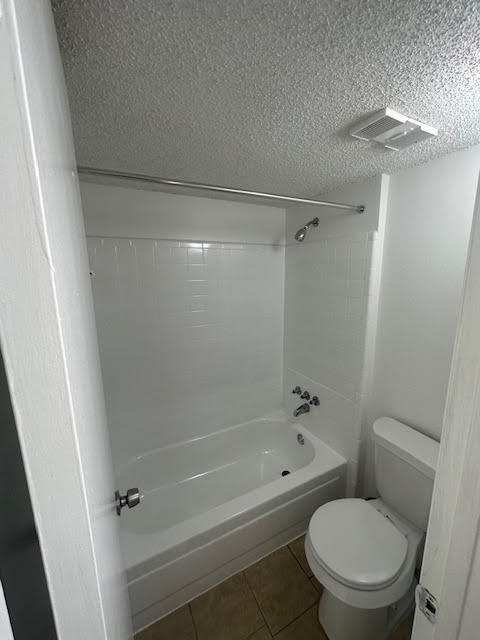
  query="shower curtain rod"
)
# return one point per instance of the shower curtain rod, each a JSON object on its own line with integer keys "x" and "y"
{"x": 212, "y": 187}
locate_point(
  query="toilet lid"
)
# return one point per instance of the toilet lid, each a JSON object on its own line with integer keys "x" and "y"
{"x": 357, "y": 544}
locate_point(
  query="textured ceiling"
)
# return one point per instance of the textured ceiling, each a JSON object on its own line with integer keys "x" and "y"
{"x": 259, "y": 93}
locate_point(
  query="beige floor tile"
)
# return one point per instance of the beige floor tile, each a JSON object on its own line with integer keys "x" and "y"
{"x": 317, "y": 585}
{"x": 297, "y": 547}
{"x": 306, "y": 627}
{"x": 227, "y": 612}
{"x": 281, "y": 588}
{"x": 178, "y": 625}
{"x": 395, "y": 635}
{"x": 404, "y": 629}
{"x": 262, "y": 634}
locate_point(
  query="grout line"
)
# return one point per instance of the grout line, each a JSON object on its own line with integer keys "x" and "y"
{"x": 258, "y": 604}
{"x": 193, "y": 620}
{"x": 338, "y": 394}
{"x": 312, "y": 578}
{"x": 293, "y": 619}
{"x": 296, "y": 618}
{"x": 250, "y": 589}
{"x": 298, "y": 562}
{"x": 95, "y": 236}
{"x": 264, "y": 626}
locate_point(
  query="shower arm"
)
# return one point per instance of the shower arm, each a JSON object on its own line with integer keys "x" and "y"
{"x": 139, "y": 177}
{"x": 312, "y": 223}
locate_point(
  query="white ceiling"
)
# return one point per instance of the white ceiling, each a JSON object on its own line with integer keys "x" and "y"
{"x": 259, "y": 93}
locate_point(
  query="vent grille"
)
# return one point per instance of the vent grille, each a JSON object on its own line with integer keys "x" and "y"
{"x": 392, "y": 130}
{"x": 410, "y": 137}
{"x": 377, "y": 128}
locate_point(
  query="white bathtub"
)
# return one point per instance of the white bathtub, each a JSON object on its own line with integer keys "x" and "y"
{"x": 216, "y": 504}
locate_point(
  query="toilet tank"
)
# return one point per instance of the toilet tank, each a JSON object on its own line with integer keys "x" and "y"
{"x": 405, "y": 464}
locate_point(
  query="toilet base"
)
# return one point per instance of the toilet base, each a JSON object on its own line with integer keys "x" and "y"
{"x": 344, "y": 622}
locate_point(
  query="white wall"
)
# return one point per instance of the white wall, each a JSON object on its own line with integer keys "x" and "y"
{"x": 48, "y": 336}
{"x": 331, "y": 290}
{"x": 127, "y": 212}
{"x": 190, "y": 330}
{"x": 428, "y": 227}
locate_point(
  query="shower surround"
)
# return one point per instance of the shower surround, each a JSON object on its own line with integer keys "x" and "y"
{"x": 189, "y": 313}
{"x": 190, "y": 297}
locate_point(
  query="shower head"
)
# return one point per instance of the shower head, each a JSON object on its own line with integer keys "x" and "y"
{"x": 301, "y": 233}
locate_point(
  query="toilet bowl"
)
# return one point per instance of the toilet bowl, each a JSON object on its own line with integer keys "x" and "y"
{"x": 364, "y": 555}
{"x": 364, "y": 552}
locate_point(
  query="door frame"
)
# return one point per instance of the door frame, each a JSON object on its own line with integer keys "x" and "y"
{"x": 6, "y": 632}
{"x": 48, "y": 336}
{"x": 453, "y": 530}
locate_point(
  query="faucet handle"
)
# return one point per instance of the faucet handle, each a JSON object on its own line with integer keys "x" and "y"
{"x": 315, "y": 401}
{"x": 131, "y": 499}
{"x": 305, "y": 395}
{"x": 297, "y": 390}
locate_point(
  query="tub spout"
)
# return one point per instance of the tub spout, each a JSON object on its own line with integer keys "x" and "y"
{"x": 303, "y": 408}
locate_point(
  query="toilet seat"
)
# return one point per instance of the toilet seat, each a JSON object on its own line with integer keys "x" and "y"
{"x": 357, "y": 544}
{"x": 379, "y": 588}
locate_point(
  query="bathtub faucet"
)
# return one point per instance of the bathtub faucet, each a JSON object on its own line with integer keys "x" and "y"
{"x": 303, "y": 408}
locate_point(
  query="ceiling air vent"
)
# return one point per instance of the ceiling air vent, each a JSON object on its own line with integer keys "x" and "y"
{"x": 392, "y": 130}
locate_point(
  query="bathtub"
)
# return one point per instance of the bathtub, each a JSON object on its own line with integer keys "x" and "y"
{"x": 216, "y": 504}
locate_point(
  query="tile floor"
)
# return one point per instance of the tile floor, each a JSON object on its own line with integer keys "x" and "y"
{"x": 275, "y": 598}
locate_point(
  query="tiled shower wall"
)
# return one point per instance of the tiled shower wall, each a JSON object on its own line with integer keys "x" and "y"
{"x": 327, "y": 284}
{"x": 327, "y": 293}
{"x": 190, "y": 335}
{"x": 331, "y": 304}
{"x": 191, "y": 331}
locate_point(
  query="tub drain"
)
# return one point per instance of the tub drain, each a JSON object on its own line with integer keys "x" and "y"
{"x": 285, "y": 472}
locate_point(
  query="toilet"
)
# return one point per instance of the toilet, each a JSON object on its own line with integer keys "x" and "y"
{"x": 364, "y": 552}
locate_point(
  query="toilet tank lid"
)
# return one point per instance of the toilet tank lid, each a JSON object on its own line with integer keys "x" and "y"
{"x": 412, "y": 446}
